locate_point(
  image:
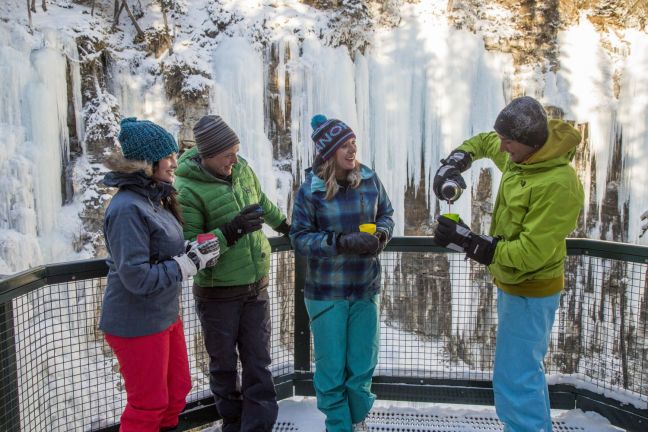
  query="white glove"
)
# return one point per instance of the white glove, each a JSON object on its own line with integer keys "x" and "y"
{"x": 204, "y": 254}
{"x": 187, "y": 266}
{"x": 198, "y": 257}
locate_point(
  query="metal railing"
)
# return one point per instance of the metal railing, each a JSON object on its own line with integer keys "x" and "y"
{"x": 437, "y": 337}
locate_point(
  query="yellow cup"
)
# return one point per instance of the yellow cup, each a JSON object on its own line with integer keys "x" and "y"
{"x": 368, "y": 228}
{"x": 452, "y": 216}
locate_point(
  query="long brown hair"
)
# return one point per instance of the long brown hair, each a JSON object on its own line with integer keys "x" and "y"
{"x": 326, "y": 171}
{"x": 171, "y": 202}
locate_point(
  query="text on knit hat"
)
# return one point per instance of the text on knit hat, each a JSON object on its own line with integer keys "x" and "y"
{"x": 523, "y": 120}
{"x": 328, "y": 135}
{"x": 144, "y": 140}
{"x": 213, "y": 136}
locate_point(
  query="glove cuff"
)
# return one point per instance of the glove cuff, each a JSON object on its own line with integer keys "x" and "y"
{"x": 460, "y": 159}
{"x": 187, "y": 267}
{"x": 230, "y": 234}
{"x": 481, "y": 248}
{"x": 283, "y": 228}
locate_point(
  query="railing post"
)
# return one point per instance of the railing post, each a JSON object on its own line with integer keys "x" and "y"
{"x": 302, "y": 330}
{"x": 9, "y": 402}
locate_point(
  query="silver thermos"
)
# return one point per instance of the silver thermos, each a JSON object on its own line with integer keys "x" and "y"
{"x": 451, "y": 191}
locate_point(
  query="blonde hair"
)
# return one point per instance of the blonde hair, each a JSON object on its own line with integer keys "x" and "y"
{"x": 326, "y": 171}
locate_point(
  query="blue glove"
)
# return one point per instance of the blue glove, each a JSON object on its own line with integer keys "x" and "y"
{"x": 458, "y": 237}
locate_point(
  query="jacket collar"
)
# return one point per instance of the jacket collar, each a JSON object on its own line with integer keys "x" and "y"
{"x": 319, "y": 185}
{"x": 190, "y": 167}
{"x": 140, "y": 183}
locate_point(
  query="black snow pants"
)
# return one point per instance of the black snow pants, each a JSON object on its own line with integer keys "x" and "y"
{"x": 236, "y": 328}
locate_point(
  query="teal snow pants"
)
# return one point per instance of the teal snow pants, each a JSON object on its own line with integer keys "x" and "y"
{"x": 523, "y": 332}
{"x": 346, "y": 335}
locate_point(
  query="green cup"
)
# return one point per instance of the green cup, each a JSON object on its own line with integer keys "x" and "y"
{"x": 452, "y": 216}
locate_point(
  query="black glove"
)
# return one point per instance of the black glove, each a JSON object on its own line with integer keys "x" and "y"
{"x": 357, "y": 243}
{"x": 457, "y": 236}
{"x": 250, "y": 219}
{"x": 283, "y": 228}
{"x": 451, "y": 169}
{"x": 382, "y": 241}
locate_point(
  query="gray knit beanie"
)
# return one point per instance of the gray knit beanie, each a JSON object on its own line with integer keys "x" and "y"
{"x": 523, "y": 120}
{"x": 213, "y": 136}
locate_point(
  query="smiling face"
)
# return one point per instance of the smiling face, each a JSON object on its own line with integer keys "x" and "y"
{"x": 519, "y": 152}
{"x": 164, "y": 169}
{"x": 345, "y": 158}
{"x": 222, "y": 163}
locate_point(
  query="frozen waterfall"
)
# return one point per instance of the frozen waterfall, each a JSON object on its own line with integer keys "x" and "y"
{"x": 35, "y": 147}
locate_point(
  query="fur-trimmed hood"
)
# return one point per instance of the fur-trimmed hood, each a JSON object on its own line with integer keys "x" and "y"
{"x": 134, "y": 175}
{"x": 118, "y": 163}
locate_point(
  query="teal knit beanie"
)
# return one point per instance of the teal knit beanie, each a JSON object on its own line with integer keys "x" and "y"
{"x": 144, "y": 140}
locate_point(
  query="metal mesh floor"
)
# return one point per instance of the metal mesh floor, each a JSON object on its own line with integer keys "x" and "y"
{"x": 390, "y": 421}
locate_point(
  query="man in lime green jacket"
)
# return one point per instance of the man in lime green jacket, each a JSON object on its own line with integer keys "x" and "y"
{"x": 220, "y": 195}
{"x": 537, "y": 207}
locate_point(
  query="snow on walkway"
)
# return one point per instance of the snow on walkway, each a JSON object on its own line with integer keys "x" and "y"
{"x": 300, "y": 414}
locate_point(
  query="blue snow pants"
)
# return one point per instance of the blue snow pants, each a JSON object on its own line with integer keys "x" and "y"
{"x": 346, "y": 335}
{"x": 523, "y": 333}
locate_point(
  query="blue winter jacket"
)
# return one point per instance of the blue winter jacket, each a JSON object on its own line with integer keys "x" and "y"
{"x": 142, "y": 295}
{"x": 316, "y": 222}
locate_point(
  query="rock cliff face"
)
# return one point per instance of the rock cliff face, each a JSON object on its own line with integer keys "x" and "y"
{"x": 418, "y": 290}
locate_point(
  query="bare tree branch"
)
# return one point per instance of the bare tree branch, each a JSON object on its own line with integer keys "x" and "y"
{"x": 140, "y": 33}
{"x": 119, "y": 7}
{"x": 166, "y": 25}
{"x": 29, "y": 12}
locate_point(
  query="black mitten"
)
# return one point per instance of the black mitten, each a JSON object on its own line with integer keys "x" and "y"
{"x": 250, "y": 219}
{"x": 358, "y": 243}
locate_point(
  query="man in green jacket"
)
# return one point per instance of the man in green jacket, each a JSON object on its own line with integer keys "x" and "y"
{"x": 537, "y": 206}
{"x": 221, "y": 195}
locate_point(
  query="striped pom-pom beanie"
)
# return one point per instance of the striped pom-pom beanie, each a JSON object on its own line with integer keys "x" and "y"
{"x": 213, "y": 136}
{"x": 328, "y": 135}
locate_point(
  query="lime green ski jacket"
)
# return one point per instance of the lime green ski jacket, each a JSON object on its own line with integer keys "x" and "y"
{"x": 209, "y": 202}
{"x": 537, "y": 207}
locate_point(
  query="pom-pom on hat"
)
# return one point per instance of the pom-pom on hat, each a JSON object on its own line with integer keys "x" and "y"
{"x": 328, "y": 135}
{"x": 523, "y": 120}
{"x": 145, "y": 141}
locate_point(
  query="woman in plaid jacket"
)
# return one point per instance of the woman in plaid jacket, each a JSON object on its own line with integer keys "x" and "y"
{"x": 343, "y": 272}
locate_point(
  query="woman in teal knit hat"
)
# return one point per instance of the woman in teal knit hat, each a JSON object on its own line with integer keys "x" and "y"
{"x": 148, "y": 260}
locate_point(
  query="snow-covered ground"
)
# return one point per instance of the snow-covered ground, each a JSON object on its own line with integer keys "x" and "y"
{"x": 300, "y": 414}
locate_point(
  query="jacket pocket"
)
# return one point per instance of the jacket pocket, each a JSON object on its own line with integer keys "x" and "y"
{"x": 321, "y": 313}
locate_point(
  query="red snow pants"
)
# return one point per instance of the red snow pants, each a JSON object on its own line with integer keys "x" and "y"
{"x": 156, "y": 375}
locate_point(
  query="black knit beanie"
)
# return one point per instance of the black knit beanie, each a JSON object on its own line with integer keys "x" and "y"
{"x": 523, "y": 120}
{"x": 213, "y": 136}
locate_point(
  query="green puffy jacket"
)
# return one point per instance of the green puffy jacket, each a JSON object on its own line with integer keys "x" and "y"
{"x": 209, "y": 202}
{"x": 537, "y": 207}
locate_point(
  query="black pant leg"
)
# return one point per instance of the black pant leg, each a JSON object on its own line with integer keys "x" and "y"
{"x": 259, "y": 397}
{"x": 220, "y": 325}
